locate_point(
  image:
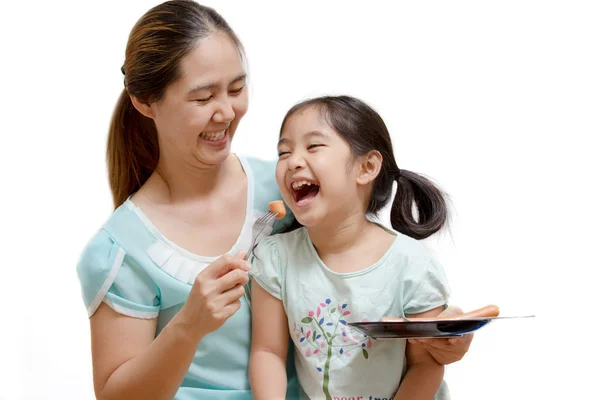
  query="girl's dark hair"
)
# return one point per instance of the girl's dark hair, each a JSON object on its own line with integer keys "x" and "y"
{"x": 156, "y": 45}
{"x": 364, "y": 130}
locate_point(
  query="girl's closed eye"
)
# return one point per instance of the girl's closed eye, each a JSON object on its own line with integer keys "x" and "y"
{"x": 283, "y": 153}
{"x": 314, "y": 146}
{"x": 203, "y": 100}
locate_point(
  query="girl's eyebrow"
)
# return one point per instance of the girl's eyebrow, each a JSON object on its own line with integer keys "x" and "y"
{"x": 307, "y": 134}
{"x": 210, "y": 86}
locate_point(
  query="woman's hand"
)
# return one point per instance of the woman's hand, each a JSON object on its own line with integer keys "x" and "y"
{"x": 215, "y": 295}
{"x": 447, "y": 351}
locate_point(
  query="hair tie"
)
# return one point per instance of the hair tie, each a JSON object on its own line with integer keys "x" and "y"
{"x": 399, "y": 174}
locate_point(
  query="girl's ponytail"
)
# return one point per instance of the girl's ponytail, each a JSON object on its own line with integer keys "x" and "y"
{"x": 430, "y": 203}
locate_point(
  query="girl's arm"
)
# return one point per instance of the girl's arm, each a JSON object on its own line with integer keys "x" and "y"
{"x": 270, "y": 340}
{"x": 130, "y": 363}
{"x": 447, "y": 351}
{"x": 424, "y": 374}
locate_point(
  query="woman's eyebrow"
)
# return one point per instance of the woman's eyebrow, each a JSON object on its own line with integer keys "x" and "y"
{"x": 210, "y": 86}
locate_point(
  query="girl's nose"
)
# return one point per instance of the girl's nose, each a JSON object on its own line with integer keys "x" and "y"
{"x": 296, "y": 162}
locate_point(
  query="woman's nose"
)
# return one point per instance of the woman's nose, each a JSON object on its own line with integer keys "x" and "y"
{"x": 224, "y": 112}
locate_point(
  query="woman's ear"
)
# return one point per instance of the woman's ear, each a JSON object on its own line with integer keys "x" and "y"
{"x": 143, "y": 108}
{"x": 370, "y": 166}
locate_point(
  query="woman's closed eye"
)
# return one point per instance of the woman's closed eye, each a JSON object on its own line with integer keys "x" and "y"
{"x": 203, "y": 100}
{"x": 314, "y": 146}
{"x": 237, "y": 91}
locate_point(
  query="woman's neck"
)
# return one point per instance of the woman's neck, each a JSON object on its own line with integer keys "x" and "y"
{"x": 179, "y": 182}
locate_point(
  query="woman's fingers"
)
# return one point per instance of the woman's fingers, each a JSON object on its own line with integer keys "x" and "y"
{"x": 223, "y": 265}
{"x": 231, "y": 309}
{"x": 232, "y": 295}
{"x": 231, "y": 279}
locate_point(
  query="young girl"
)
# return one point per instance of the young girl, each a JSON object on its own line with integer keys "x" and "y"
{"x": 336, "y": 166}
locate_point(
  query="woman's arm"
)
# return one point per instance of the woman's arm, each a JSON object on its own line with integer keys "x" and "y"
{"x": 129, "y": 363}
{"x": 424, "y": 374}
{"x": 270, "y": 340}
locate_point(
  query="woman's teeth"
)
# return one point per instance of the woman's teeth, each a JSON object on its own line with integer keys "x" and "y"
{"x": 298, "y": 184}
{"x": 213, "y": 135}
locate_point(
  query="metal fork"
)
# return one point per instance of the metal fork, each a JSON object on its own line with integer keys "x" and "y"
{"x": 266, "y": 220}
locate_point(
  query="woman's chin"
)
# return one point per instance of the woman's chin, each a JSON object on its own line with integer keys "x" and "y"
{"x": 213, "y": 156}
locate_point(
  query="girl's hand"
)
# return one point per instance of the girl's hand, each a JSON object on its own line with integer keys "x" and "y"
{"x": 447, "y": 351}
{"x": 215, "y": 295}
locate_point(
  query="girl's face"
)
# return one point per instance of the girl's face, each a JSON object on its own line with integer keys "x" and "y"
{"x": 316, "y": 172}
{"x": 199, "y": 113}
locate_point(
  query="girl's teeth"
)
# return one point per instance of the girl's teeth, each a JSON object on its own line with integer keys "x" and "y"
{"x": 298, "y": 184}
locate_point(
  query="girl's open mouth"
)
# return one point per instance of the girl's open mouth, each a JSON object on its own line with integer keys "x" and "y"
{"x": 304, "y": 191}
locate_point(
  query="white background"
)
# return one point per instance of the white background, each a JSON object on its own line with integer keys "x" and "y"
{"x": 497, "y": 101}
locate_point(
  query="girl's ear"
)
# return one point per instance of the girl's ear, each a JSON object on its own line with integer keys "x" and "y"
{"x": 370, "y": 165}
{"x": 143, "y": 108}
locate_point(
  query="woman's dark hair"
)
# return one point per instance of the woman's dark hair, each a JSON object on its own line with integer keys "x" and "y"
{"x": 156, "y": 45}
{"x": 364, "y": 130}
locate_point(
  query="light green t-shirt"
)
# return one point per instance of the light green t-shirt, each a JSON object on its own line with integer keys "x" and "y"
{"x": 332, "y": 360}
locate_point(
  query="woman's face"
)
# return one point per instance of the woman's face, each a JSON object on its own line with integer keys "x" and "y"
{"x": 198, "y": 115}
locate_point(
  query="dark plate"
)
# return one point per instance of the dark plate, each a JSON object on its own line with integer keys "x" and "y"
{"x": 420, "y": 329}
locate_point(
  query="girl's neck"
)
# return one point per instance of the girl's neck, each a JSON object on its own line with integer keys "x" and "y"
{"x": 178, "y": 182}
{"x": 339, "y": 236}
{"x": 352, "y": 245}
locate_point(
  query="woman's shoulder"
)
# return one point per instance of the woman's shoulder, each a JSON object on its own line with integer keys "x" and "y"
{"x": 116, "y": 255}
{"x": 262, "y": 174}
{"x": 259, "y": 164}
{"x": 121, "y": 226}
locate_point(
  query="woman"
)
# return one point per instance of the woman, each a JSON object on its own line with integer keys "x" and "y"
{"x": 163, "y": 280}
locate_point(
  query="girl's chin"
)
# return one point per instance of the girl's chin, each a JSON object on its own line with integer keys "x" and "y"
{"x": 308, "y": 221}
